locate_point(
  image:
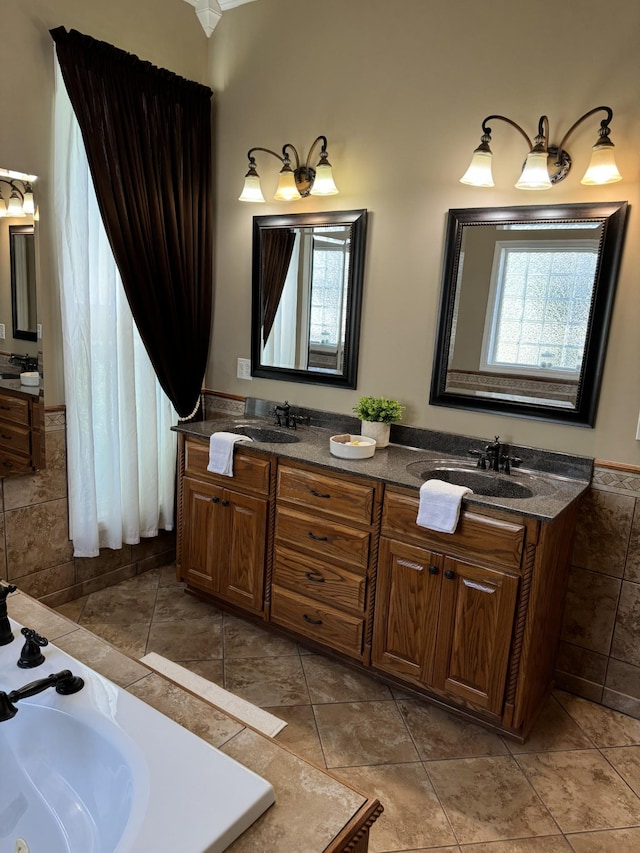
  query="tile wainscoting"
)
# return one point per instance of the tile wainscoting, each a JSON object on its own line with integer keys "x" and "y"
{"x": 36, "y": 553}
{"x": 599, "y": 656}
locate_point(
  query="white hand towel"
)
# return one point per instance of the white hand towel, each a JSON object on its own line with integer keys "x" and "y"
{"x": 221, "y": 452}
{"x": 439, "y": 507}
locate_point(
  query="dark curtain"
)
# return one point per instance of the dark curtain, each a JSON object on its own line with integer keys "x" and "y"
{"x": 277, "y": 247}
{"x": 147, "y": 133}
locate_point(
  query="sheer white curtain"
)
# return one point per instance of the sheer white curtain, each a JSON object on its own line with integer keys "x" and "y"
{"x": 121, "y": 452}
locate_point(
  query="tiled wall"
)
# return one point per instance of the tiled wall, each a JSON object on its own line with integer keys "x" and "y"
{"x": 599, "y": 654}
{"x": 36, "y": 553}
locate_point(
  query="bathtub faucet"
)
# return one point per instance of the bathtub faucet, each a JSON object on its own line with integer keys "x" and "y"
{"x": 64, "y": 682}
{"x": 6, "y": 634}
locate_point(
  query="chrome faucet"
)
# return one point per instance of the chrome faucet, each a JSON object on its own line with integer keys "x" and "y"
{"x": 64, "y": 682}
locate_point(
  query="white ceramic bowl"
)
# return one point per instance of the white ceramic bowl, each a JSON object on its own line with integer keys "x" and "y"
{"x": 30, "y": 378}
{"x": 348, "y": 446}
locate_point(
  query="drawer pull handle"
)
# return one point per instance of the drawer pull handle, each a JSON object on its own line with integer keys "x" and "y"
{"x": 449, "y": 575}
{"x": 225, "y": 503}
{"x": 433, "y": 570}
{"x": 318, "y": 494}
{"x": 310, "y": 620}
{"x": 214, "y": 500}
{"x": 5, "y": 408}
{"x": 6, "y": 437}
{"x": 317, "y": 538}
{"x": 407, "y": 564}
{"x": 316, "y": 578}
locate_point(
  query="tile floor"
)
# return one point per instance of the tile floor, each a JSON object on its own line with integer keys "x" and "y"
{"x": 445, "y": 784}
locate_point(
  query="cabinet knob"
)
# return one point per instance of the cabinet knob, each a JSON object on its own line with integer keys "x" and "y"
{"x": 225, "y": 503}
{"x": 214, "y": 500}
{"x": 433, "y": 570}
{"x": 310, "y": 620}
{"x": 449, "y": 574}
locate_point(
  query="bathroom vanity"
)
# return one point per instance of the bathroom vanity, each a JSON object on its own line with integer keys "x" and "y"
{"x": 328, "y": 550}
{"x": 20, "y": 427}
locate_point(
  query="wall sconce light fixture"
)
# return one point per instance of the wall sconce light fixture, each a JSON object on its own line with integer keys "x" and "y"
{"x": 546, "y": 164}
{"x": 20, "y": 200}
{"x": 293, "y": 183}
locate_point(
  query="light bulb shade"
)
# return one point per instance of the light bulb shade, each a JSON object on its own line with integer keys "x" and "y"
{"x": 479, "y": 172}
{"x": 3, "y": 207}
{"x": 27, "y": 203}
{"x": 14, "y": 208}
{"x": 287, "y": 189}
{"x": 324, "y": 183}
{"x": 535, "y": 175}
{"x": 252, "y": 191}
{"x": 602, "y": 166}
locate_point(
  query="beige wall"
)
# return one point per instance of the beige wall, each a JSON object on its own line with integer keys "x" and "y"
{"x": 400, "y": 89}
{"x": 165, "y": 32}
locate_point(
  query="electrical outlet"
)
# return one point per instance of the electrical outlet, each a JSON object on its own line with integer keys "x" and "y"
{"x": 244, "y": 368}
{"x": 2, "y": 333}
{"x": 39, "y": 331}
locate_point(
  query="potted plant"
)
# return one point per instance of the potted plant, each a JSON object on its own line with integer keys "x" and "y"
{"x": 377, "y": 414}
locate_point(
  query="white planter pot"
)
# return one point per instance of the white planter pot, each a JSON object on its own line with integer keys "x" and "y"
{"x": 377, "y": 430}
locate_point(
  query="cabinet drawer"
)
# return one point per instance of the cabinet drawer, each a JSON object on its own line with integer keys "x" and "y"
{"x": 318, "y": 580}
{"x": 10, "y": 463}
{"x": 15, "y": 438}
{"x": 249, "y": 472}
{"x": 326, "y": 539}
{"x": 317, "y": 621}
{"x": 14, "y": 409}
{"x": 331, "y": 495}
{"x": 490, "y": 540}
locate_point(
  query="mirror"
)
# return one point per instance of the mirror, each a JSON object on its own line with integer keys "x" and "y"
{"x": 22, "y": 253}
{"x": 525, "y": 307}
{"x": 307, "y": 296}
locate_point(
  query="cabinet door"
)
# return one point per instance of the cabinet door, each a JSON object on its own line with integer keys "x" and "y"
{"x": 203, "y": 538}
{"x": 406, "y": 614}
{"x": 242, "y": 579}
{"x": 474, "y": 635}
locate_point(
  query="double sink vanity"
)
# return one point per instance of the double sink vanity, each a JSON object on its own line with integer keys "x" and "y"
{"x": 328, "y": 551}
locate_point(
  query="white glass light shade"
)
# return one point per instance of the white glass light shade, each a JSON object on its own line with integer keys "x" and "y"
{"x": 535, "y": 175}
{"x": 14, "y": 208}
{"x": 252, "y": 190}
{"x": 287, "y": 189}
{"x": 602, "y": 167}
{"x": 479, "y": 172}
{"x": 27, "y": 203}
{"x": 324, "y": 183}
{"x": 3, "y": 207}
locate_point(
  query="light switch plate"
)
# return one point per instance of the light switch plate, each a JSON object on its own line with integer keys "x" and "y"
{"x": 244, "y": 368}
{"x": 2, "y": 332}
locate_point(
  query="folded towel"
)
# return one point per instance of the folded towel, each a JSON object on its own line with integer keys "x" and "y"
{"x": 221, "y": 452}
{"x": 439, "y": 507}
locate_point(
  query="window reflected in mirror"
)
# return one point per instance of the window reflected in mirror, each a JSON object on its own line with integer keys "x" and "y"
{"x": 307, "y": 289}
{"x": 525, "y": 308}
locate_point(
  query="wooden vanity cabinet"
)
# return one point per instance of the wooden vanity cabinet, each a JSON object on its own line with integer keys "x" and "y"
{"x": 19, "y": 433}
{"x": 471, "y": 617}
{"x": 324, "y": 556}
{"x": 222, "y": 541}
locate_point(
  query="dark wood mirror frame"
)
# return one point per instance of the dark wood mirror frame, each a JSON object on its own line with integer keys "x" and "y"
{"x": 17, "y": 232}
{"x": 357, "y": 220}
{"x": 613, "y": 216}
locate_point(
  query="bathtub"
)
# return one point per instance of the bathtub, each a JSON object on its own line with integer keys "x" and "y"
{"x": 102, "y": 772}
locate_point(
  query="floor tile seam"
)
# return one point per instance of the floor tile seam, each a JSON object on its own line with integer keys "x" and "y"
{"x": 320, "y": 741}
{"x": 153, "y": 610}
{"x": 617, "y": 772}
{"x": 529, "y": 783}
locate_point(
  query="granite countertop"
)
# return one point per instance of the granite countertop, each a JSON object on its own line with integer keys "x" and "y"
{"x": 311, "y": 806}
{"x": 14, "y": 384}
{"x": 556, "y": 479}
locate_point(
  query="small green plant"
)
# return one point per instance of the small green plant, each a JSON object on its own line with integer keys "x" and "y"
{"x": 379, "y": 409}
